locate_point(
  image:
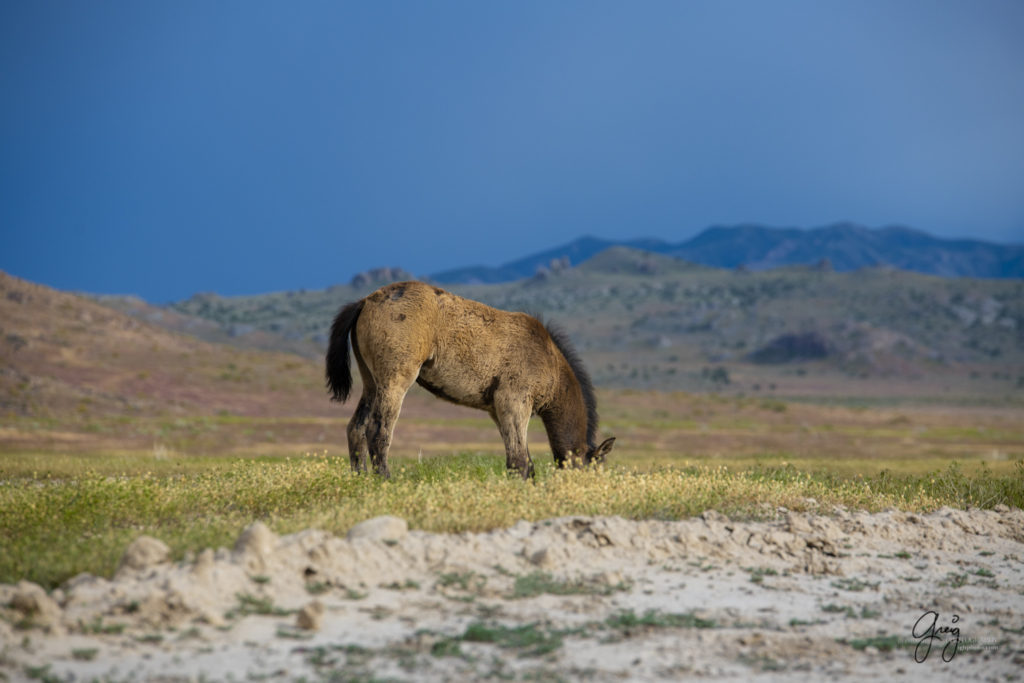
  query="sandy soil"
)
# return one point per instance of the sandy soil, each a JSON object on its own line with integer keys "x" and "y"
{"x": 849, "y": 596}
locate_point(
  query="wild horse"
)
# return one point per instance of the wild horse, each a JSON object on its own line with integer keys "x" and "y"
{"x": 508, "y": 364}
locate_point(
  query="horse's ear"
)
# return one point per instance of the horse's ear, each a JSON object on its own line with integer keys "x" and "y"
{"x": 603, "y": 450}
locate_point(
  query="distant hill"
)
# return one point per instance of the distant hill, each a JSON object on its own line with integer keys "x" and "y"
{"x": 67, "y": 357}
{"x": 576, "y": 252}
{"x": 648, "y": 320}
{"x": 842, "y": 246}
{"x": 850, "y": 247}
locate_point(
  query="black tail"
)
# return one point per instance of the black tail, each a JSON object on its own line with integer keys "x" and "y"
{"x": 338, "y": 372}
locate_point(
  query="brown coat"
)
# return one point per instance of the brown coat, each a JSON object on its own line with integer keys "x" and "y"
{"x": 508, "y": 364}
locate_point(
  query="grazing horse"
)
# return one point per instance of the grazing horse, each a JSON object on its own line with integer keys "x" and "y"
{"x": 508, "y": 364}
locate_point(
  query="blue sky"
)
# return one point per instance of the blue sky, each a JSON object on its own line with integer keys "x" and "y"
{"x": 165, "y": 148}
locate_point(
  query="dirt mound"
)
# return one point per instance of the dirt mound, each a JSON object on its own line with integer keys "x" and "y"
{"x": 846, "y": 596}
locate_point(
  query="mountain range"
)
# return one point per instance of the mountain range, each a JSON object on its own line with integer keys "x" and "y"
{"x": 843, "y": 246}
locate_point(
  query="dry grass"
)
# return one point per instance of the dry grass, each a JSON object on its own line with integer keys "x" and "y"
{"x": 652, "y": 430}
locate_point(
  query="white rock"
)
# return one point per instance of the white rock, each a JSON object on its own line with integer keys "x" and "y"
{"x": 256, "y": 539}
{"x": 32, "y": 601}
{"x": 144, "y": 552}
{"x": 311, "y": 616}
{"x": 385, "y": 528}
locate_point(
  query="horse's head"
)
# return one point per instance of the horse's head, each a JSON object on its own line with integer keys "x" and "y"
{"x": 597, "y": 454}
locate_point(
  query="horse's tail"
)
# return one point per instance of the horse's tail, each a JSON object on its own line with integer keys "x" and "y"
{"x": 338, "y": 372}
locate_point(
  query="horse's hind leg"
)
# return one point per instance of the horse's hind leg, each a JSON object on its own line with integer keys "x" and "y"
{"x": 357, "y": 448}
{"x": 357, "y": 434}
{"x": 383, "y": 414}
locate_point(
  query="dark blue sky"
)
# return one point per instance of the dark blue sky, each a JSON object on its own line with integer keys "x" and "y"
{"x": 164, "y": 148}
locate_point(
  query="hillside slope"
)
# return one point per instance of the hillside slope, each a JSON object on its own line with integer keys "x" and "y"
{"x": 65, "y": 355}
{"x": 654, "y": 321}
{"x": 646, "y": 320}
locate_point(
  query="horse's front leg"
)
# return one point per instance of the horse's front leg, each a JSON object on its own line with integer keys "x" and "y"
{"x": 513, "y": 420}
{"x": 517, "y": 457}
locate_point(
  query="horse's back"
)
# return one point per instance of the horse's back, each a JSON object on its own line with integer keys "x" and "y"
{"x": 460, "y": 349}
{"x": 409, "y": 298}
{"x": 398, "y": 322}
{"x": 483, "y": 353}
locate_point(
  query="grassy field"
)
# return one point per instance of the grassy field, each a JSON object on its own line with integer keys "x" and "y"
{"x": 652, "y": 429}
{"x": 75, "y": 489}
{"x": 72, "y": 496}
{"x": 75, "y": 518}
{"x": 112, "y": 427}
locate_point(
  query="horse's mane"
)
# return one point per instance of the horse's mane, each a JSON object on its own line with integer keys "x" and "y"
{"x": 561, "y": 339}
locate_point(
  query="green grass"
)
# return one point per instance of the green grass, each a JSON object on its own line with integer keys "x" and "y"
{"x": 757, "y": 574}
{"x": 61, "y": 519}
{"x": 539, "y": 583}
{"x": 529, "y": 640}
{"x": 532, "y": 640}
{"x": 886, "y": 643}
{"x": 251, "y": 604}
{"x": 629, "y": 621}
{"x": 854, "y": 584}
